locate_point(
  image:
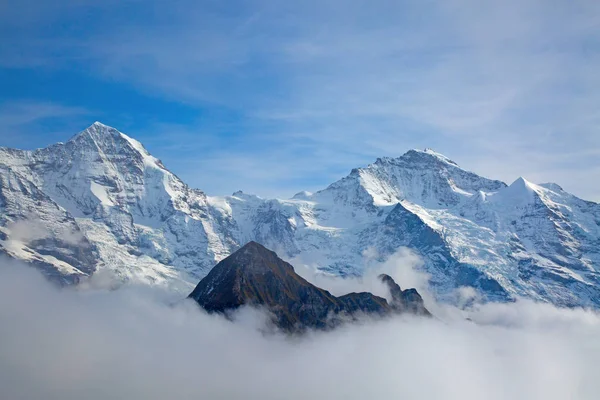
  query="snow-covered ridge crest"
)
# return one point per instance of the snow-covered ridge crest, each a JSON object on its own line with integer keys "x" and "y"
{"x": 147, "y": 224}
{"x": 423, "y": 177}
{"x": 143, "y": 224}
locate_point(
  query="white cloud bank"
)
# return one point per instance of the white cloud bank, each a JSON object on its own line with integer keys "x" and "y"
{"x": 129, "y": 344}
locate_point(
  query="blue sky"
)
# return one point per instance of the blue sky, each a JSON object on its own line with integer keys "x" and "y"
{"x": 274, "y": 97}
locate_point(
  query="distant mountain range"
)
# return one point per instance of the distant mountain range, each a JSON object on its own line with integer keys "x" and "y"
{"x": 256, "y": 276}
{"x": 101, "y": 202}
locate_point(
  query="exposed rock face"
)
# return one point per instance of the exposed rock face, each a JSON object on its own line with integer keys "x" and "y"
{"x": 408, "y": 300}
{"x": 256, "y": 276}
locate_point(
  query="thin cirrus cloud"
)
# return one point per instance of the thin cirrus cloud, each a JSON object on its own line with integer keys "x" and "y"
{"x": 34, "y": 123}
{"x": 504, "y": 88}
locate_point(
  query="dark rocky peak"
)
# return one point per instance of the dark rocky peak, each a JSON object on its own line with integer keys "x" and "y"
{"x": 254, "y": 258}
{"x": 256, "y": 276}
{"x": 408, "y": 300}
{"x": 395, "y": 290}
{"x": 364, "y": 303}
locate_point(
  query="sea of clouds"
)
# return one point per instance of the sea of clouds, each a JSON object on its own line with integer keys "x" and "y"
{"x": 138, "y": 343}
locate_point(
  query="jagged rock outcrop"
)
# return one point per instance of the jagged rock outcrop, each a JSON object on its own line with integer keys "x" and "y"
{"x": 256, "y": 276}
{"x": 408, "y": 300}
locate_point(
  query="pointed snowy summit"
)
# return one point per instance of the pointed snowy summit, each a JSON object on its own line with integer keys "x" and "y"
{"x": 416, "y": 155}
{"x": 97, "y": 130}
{"x": 110, "y": 141}
{"x": 521, "y": 187}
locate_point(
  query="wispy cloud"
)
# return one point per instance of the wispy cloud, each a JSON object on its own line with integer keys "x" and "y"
{"x": 42, "y": 123}
{"x": 511, "y": 81}
{"x": 24, "y": 113}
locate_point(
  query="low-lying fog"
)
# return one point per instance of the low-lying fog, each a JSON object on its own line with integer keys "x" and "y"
{"x": 133, "y": 344}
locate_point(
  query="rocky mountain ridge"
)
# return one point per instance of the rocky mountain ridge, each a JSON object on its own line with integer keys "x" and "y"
{"x": 256, "y": 276}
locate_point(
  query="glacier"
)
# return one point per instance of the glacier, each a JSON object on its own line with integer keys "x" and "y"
{"x": 101, "y": 204}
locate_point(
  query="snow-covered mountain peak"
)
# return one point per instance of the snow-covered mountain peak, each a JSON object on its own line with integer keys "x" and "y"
{"x": 102, "y": 171}
{"x": 101, "y": 150}
{"x": 422, "y": 177}
{"x": 555, "y": 187}
{"x": 425, "y": 155}
{"x": 303, "y": 195}
{"x": 97, "y": 131}
{"x": 520, "y": 192}
{"x": 245, "y": 196}
{"x": 101, "y": 125}
{"x": 109, "y": 141}
{"x": 522, "y": 185}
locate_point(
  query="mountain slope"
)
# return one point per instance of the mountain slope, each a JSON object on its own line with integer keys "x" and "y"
{"x": 254, "y": 275}
{"x": 147, "y": 224}
{"x": 141, "y": 223}
{"x": 35, "y": 229}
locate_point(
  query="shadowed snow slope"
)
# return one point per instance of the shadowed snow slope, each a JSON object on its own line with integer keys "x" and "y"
{"x": 101, "y": 204}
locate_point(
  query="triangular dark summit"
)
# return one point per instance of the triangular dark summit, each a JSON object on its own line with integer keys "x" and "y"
{"x": 255, "y": 275}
